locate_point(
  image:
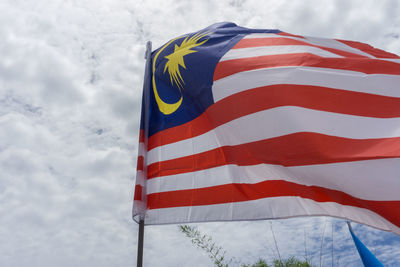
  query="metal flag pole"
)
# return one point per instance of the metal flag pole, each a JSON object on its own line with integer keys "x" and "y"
{"x": 146, "y": 95}
{"x": 140, "y": 244}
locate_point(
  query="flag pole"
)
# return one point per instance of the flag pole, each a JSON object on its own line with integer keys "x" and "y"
{"x": 367, "y": 258}
{"x": 146, "y": 94}
{"x": 140, "y": 244}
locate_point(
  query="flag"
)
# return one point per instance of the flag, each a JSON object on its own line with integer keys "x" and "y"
{"x": 249, "y": 124}
{"x": 368, "y": 259}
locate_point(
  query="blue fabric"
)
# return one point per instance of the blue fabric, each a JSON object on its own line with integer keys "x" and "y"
{"x": 197, "y": 75}
{"x": 368, "y": 259}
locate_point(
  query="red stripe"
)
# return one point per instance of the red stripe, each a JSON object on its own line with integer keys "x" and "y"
{"x": 256, "y": 42}
{"x": 138, "y": 192}
{"x": 141, "y": 136}
{"x": 262, "y": 98}
{"x": 297, "y": 149}
{"x": 229, "y": 193}
{"x": 369, "y": 49}
{"x": 364, "y": 65}
{"x": 140, "y": 163}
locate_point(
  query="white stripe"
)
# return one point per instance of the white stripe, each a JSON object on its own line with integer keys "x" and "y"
{"x": 329, "y": 43}
{"x": 395, "y": 60}
{"x": 379, "y": 84}
{"x": 342, "y": 46}
{"x": 139, "y": 206}
{"x": 267, "y": 208}
{"x": 141, "y": 149}
{"x": 275, "y": 50}
{"x": 369, "y": 179}
{"x": 140, "y": 178}
{"x": 278, "y": 122}
{"x": 336, "y": 44}
{"x": 265, "y": 35}
{"x": 138, "y": 210}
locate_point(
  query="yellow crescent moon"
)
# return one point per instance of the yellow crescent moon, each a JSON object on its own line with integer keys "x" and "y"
{"x": 164, "y": 107}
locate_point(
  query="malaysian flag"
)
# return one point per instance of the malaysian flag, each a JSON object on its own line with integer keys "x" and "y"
{"x": 249, "y": 124}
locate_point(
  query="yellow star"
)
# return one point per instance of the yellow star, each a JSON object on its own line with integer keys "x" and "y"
{"x": 175, "y": 59}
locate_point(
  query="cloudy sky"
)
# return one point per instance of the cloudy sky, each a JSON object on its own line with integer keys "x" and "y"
{"x": 71, "y": 75}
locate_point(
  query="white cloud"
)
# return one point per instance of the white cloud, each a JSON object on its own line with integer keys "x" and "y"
{"x": 70, "y": 86}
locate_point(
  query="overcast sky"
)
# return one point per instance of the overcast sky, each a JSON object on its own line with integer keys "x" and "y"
{"x": 71, "y": 74}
